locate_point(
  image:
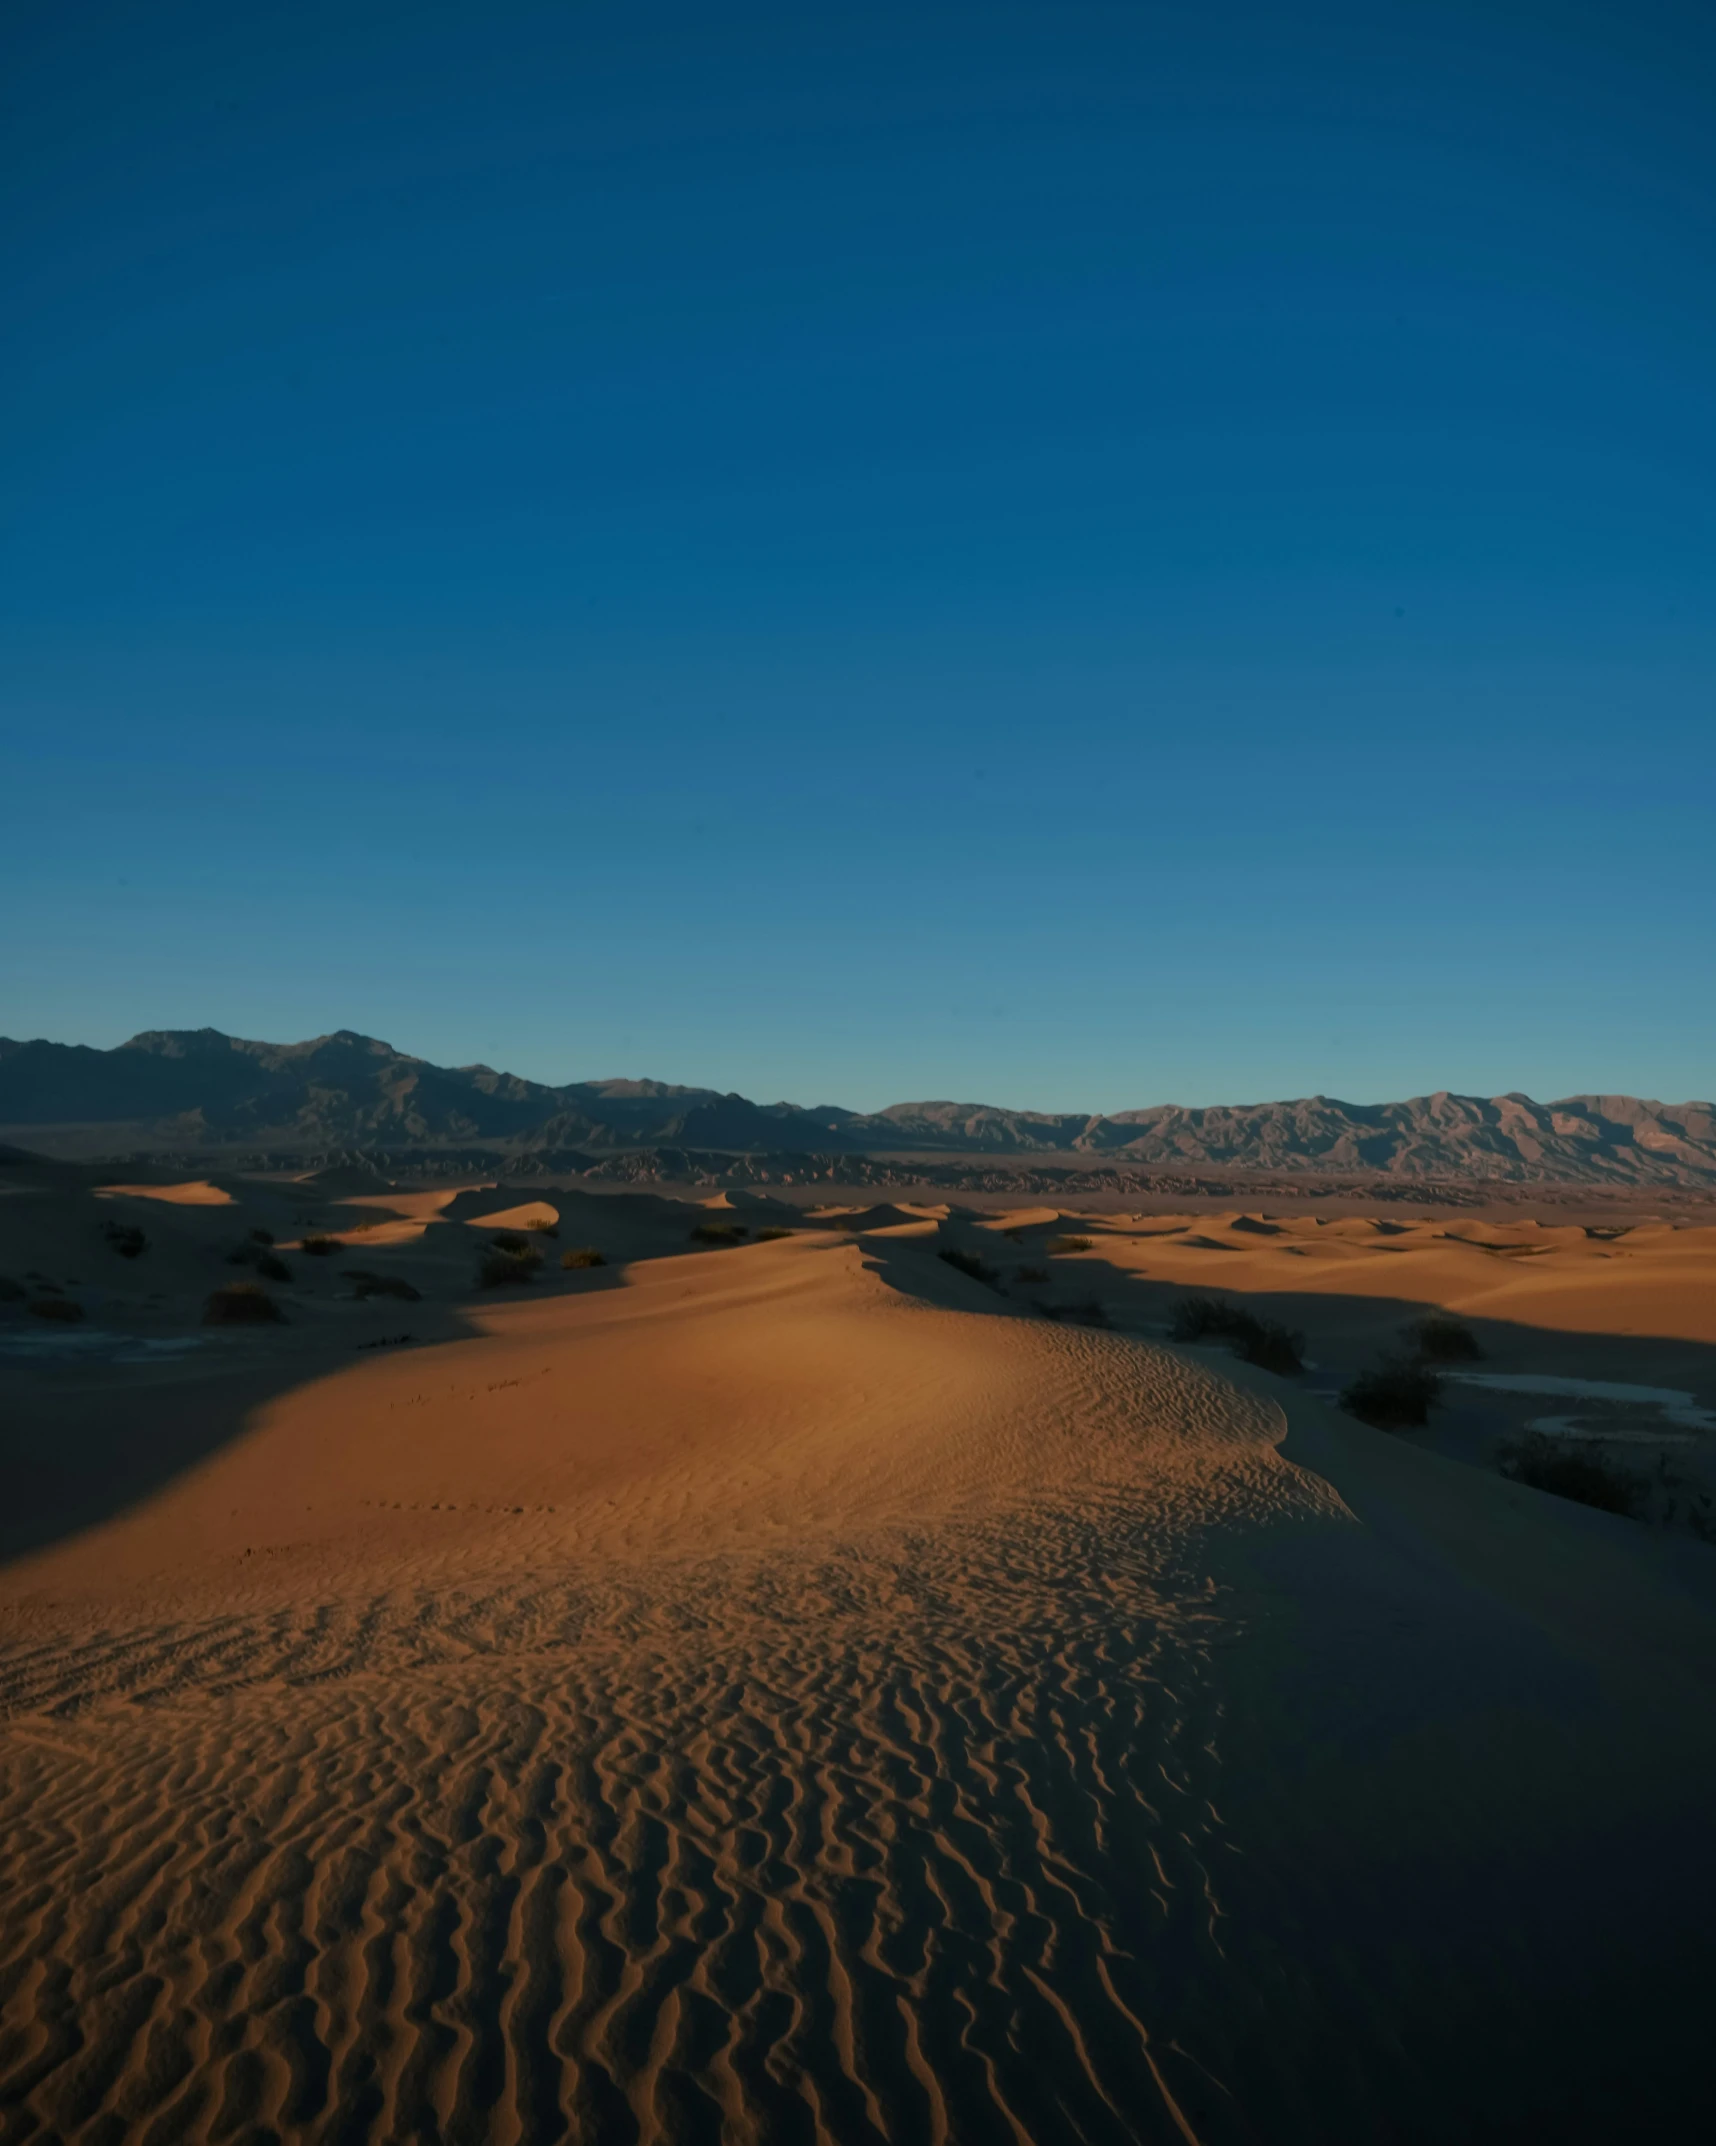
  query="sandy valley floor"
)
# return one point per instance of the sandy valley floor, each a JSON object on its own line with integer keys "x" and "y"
{"x": 792, "y": 1692}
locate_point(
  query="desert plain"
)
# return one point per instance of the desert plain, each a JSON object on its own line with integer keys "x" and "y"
{"x": 778, "y": 1684}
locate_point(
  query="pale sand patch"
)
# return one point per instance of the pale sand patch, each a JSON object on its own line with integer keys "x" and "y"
{"x": 197, "y": 1192}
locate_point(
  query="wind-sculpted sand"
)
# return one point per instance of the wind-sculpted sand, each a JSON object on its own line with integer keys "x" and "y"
{"x": 777, "y": 1696}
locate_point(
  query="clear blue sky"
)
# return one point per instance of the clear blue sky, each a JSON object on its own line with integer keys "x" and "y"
{"x": 1073, "y": 555}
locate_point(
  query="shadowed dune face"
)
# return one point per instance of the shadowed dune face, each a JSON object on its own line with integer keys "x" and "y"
{"x": 780, "y": 1693}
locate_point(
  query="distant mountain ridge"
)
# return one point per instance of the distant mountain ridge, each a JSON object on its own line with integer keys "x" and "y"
{"x": 196, "y": 1088}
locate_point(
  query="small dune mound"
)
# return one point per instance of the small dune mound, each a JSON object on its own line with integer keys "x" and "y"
{"x": 241, "y": 1304}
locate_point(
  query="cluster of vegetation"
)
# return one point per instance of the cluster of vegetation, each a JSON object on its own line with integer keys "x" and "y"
{"x": 126, "y": 1238}
{"x": 386, "y": 1341}
{"x": 768, "y": 1236}
{"x": 1588, "y": 1476}
{"x": 719, "y": 1233}
{"x": 241, "y": 1304}
{"x": 509, "y": 1260}
{"x": 1070, "y": 1244}
{"x": 253, "y": 1253}
{"x": 1440, "y": 1340}
{"x": 542, "y": 1227}
{"x": 381, "y": 1285}
{"x": 1033, "y": 1274}
{"x": 317, "y": 1247}
{"x": 1396, "y": 1394}
{"x": 56, "y": 1307}
{"x": 582, "y": 1255}
{"x": 1263, "y": 1342}
{"x": 262, "y": 1236}
{"x": 969, "y": 1263}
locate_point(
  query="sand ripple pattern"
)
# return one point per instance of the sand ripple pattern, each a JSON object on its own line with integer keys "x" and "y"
{"x": 915, "y": 1837}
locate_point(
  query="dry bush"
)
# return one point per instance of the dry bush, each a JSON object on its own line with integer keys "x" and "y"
{"x": 1263, "y": 1342}
{"x": 126, "y": 1238}
{"x": 262, "y": 1236}
{"x": 321, "y": 1247}
{"x": 768, "y": 1236}
{"x": 382, "y": 1285}
{"x": 539, "y": 1228}
{"x": 719, "y": 1233}
{"x": 1070, "y": 1244}
{"x": 241, "y": 1304}
{"x": 513, "y": 1241}
{"x": 1439, "y": 1340}
{"x": 1589, "y": 1477}
{"x": 582, "y": 1255}
{"x": 968, "y": 1263}
{"x": 506, "y": 1270}
{"x": 1394, "y": 1395}
{"x": 56, "y": 1307}
{"x": 1033, "y": 1274}
{"x": 271, "y": 1268}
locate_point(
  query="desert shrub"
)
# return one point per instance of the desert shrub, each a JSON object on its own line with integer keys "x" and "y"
{"x": 542, "y": 1228}
{"x": 56, "y": 1307}
{"x": 768, "y": 1236}
{"x": 382, "y": 1285}
{"x": 1263, "y": 1342}
{"x": 1088, "y": 1311}
{"x": 1393, "y": 1395}
{"x": 262, "y": 1236}
{"x": 1070, "y": 1244}
{"x": 1017, "y": 1236}
{"x": 1565, "y": 1471}
{"x": 241, "y": 1304}
{"x": 321, "y": 1247}
{"x": 1033, "y": 1274}
{"x": 1444, "y": 1341}
{"x": 385, "y": 1341}
{"x": 272, "y": 1268}
{"x": 126, "y": 1239}
{"x": 582, "y": 1255}
{"x": 502, "y": 1269}
{"x": 513, "y": 1241}
{"x": 11, "y": 1292}
{"x": 719, "y": 1233}
{"x": 968, "y": 1263}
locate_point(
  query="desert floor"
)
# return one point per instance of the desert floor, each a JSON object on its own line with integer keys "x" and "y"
{"x": 791, "y": 1690}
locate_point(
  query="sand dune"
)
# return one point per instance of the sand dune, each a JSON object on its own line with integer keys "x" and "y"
{"x": 784, "y": 1693}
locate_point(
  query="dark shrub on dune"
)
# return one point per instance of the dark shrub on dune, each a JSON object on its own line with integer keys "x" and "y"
{"x": 511, "y": 1240}
{"x": 582, "y": 1255}
{"x": 262, "y": 1236}
{"x": 540, "y": 1228}
{"x": 1394, "y": 1395}
{"x": 382, "y": 1285}
{"x": 768, "y": 1236}
{"x": 968, "y": 1263}
{"x": 1591, "y": 1478}
{"x": 321, "y": 1247}
{"x": 60, "y": 1308}
{"x": 1263, "y": 1342}
{"x": 506, "y": 1270}
{"x": 1444, "y": 1341}
{"x": 1070, "y": 1244}
{"x": 241, "y": 1304}
{"x": 126, "y": 1239}
{"x": 1033, "y": 1274}
{"x": 719, "y": 1233}
{"x": 272, "y": 1269}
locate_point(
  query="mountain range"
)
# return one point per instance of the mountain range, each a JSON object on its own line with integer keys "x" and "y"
{"x": 201, "y": 1090}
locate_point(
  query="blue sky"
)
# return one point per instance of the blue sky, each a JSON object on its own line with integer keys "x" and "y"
{"x": 1073, "y": 555}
